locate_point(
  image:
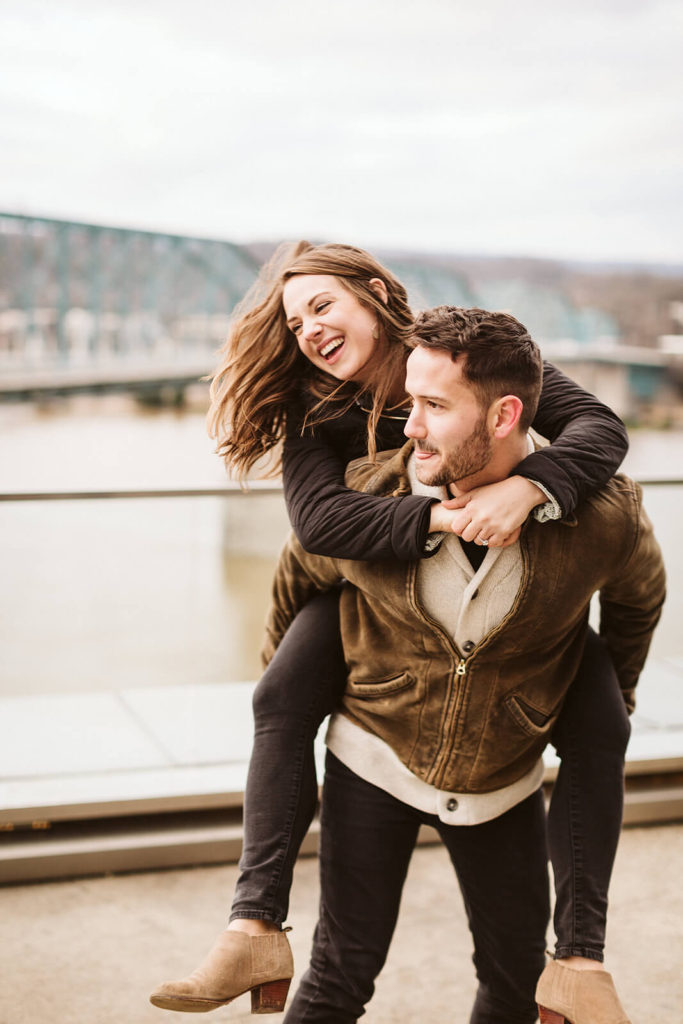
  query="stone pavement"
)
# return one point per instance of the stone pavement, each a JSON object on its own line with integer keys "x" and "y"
{"x": 88, "y": 951}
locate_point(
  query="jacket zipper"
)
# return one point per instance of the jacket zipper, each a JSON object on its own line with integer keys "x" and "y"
{"x": 461, "y": 667}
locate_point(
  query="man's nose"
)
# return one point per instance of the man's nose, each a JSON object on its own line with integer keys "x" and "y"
{"x": 413, "y": 427}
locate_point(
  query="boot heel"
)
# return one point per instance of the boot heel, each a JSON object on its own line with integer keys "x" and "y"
{"x": 270, "y": 997}
{"x": 551, "y": 1016}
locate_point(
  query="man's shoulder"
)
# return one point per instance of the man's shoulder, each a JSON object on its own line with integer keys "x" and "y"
{"x": 610, "y": 519}
{"x": 387, "y": 473}
{"x": 620, "y": 496}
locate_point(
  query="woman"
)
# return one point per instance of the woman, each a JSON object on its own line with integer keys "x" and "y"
{"x": 317, "y": 357}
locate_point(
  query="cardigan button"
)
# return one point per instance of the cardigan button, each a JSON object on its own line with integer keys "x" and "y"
{"x": 452, "y": 804}
{"x": 468, "y": 646}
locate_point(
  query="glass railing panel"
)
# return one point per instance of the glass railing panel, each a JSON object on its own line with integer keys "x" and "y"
{"x": 110, "y": 594}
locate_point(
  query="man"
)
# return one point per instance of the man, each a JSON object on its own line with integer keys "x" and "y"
{"x": 457, "y": 668}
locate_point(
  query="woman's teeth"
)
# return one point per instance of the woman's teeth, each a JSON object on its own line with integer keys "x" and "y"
{"x": 331, "y": 347}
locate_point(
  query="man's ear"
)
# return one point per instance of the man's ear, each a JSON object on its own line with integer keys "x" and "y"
{"x": 504, "y": 415}
{"x": 377, "y": 285}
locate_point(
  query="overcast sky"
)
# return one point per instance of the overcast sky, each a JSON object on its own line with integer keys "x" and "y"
{"x": 526, "y": 127}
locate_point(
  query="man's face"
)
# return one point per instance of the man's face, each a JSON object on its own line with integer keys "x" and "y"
{"x": 453, "y": 440}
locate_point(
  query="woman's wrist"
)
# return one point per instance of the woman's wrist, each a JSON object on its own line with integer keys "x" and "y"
{"x": 530, "y": 495}
{"x": 440, "y": 519}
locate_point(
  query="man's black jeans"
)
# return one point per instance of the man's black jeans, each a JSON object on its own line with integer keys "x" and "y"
{"x": 366, "y": 842}
{"x": 304, "y": 682}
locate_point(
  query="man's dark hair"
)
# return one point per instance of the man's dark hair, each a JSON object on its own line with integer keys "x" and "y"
{"x": 500, "y": 356}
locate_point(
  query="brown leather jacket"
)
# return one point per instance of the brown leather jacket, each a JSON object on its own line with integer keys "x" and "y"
{"x": 477, "y": 722}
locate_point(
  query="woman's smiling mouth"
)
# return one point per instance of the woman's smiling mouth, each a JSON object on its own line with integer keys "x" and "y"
{"x": 330, "y": 347}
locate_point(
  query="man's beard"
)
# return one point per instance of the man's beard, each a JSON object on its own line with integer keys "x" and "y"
{"x": 473, "y": 455}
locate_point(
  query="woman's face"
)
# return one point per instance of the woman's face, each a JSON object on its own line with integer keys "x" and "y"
{"x": 332, "y": 328}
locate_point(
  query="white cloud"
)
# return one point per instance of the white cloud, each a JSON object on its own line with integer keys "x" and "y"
{"x": 537, "y": 128}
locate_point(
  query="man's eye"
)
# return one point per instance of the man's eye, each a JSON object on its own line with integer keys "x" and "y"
{"x": 432, "y": 405}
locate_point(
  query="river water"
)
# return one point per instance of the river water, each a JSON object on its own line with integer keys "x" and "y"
{"x": 99, "y": 594}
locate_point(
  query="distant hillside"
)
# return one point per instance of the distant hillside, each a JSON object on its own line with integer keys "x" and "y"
{"x": 637, "y": 296}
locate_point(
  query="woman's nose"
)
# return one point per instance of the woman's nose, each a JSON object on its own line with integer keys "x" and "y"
{"x": 311, "y": 329}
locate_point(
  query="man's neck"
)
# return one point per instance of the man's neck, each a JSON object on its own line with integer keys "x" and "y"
{"x": 506, "y": 456}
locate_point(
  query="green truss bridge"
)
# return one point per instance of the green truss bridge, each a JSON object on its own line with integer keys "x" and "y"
{"x": 86, "y": 307}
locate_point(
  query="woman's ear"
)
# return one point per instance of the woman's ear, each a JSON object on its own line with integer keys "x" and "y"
{"x": 378, "y": 286}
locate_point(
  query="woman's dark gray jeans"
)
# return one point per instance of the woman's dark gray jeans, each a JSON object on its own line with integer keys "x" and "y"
{"x": 300, "y": 687}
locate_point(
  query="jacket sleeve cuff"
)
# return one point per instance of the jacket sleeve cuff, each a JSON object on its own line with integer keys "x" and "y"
{"x": 550, "y": 509}
{"x": 547, "y": 474}
{"x": 410, "y": 527}
{"x": 629, "y": 699}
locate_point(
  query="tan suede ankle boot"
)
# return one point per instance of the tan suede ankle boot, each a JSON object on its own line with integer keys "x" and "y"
{"x": 567, "y": 996}
{"x": 236, "y": 963}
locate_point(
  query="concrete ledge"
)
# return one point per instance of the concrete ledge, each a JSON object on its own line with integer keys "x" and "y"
{"x": 140, "y": 778}
{"x": 138, "y": 843}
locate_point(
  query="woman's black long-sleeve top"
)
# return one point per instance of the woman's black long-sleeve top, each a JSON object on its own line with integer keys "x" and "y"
{"x": 589, "y": 442}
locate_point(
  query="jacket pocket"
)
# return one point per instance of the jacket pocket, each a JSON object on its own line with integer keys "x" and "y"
{"x": 532, "y": 720}
{"x": 380, "y": 687}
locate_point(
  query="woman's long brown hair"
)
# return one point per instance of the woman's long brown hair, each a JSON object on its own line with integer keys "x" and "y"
{"x": 263, "y": 377}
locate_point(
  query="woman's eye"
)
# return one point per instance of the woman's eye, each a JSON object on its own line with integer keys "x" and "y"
{"x": 295, "y": 328}
{"x": 321, "y": 306}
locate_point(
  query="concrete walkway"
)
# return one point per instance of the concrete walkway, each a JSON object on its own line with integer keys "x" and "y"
{"x": 89, "y": 951}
